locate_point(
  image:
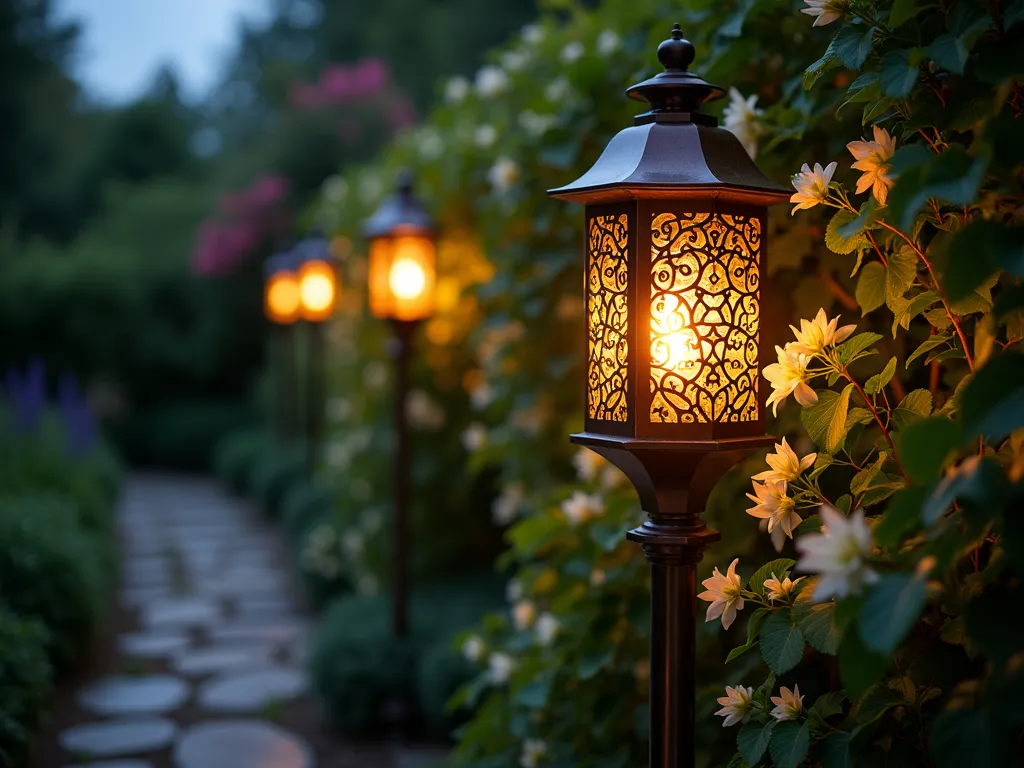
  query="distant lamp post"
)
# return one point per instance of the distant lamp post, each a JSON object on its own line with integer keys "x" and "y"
{"x": 675, "y": 250}
{"x": 318, "y": 287}
{"x": 282, "y": 305}
{"x": 402, "y": 240}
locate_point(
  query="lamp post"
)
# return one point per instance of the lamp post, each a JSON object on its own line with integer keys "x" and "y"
{"x": 401, "y": 290}
{"x": 281, "y": 306}
{"x": 317, "y": 281}
{"x": 675, "y": 249}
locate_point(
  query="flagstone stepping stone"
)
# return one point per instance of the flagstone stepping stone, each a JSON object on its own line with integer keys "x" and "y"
{"x": 252, "y": 690}
{"x": 273, "y": 607}
{"x": 221, "y": 658}
{"x": 149, "y": 695}
{"x": 148, "y": 645}
{"x": 114, "y": 764}
{"x": 119, "y": 738}
{"x": 241, "y": 744}
{"x": 278, "y": 633}
{"x": 190, "y": 611}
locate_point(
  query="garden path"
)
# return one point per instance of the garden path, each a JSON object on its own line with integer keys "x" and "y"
{"x": 208, "y": 670}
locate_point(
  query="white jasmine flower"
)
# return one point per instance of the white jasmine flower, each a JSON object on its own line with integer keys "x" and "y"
{"x": 789, "y": 704}
{"x": 597, "y": 577}
{"x": 515, "y": 60}
{"x": 838, "y": 554}
{"x": 481, "y": 396}
{"x": 456, "y": 90}
{"x": 500, "y": 667}
{"x": 772, "y": 503}
{"x": 607, "y": 42}
{"x": 375, "y": 375}
{"x": 474, "y": 438}
{"x": 485, "y": 136}
{"x": 491, "y": 81}
{"x": 817, "y": 334}
{"x": 473, "y": 648}
{"x": 581, "y": 507}
{"x": 546, "y": 628}
{"x": 337, "y": 454}
{"x": 335, "y": 189}
{"x": 811, "y": 186}
{"x": 533, "y": 751}
{"x": 353, "y": 543}
{"x": 503, "y": 175}
{"x": 724, "y": 594}
{"x": 513, "y": 590}
{"x": 572, "y": 52}
{"x": 372, "y": 521}
{"x": 558, "y": 90}
{"x": 780, "y": 590}
{"x": 370, "y": 188}
{"x": 742, "y": 118}
{"x": 423, "y": 410}
{"x": 534, "y": 124}
{"x": 523, "y": 614}
{"x": 588, "y": 464}
{"x": 789, "y": 377}
{"x": 506, "y": 506}
{"x": 532, "y": 34}
{"x": 430, "y": 143}
{"x": 736, "y": 705}
{"x": 612, "y": 477}
{"x": 825, "y": 11}
{"x": 873, "y": 159}
{"x": 339, "y": 409}
{"x": 785, "y": 464}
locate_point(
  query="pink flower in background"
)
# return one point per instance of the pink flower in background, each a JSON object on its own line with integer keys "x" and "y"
{"x": 372, "y": 75}
{"x": 401, "y": 114}
{"x": 337, "y": 81}
{"x": 268, "y": 189}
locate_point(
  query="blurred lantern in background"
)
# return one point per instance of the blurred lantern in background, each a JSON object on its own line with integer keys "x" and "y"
{"x": 402, "y": 257}
{"x": 281, "y": 302}
{"x": 282, "y": 305}
{"x": 675, "y": 225}
{"x": 402, "y": 241}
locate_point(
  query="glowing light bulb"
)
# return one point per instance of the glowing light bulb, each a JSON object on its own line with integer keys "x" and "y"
{"x": 317, "y": 292}
{"x": 682, "y": 348}
{"x": 283, "y": 298}
{"x": 406, "y": 278}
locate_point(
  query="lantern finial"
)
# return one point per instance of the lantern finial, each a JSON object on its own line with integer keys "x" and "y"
{"x": 676, "y": 91}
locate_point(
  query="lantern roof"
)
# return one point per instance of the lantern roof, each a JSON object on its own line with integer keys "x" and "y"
{"x": 313, "y": 247}
{"x": 674, "y": 148}
{"x": 401, "y": 211}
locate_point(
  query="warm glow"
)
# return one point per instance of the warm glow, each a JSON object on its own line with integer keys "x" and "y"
{"x": 402, "y": 277}
{"x": 406, "y": 279}
{"x": 317, "y": 290}
{"x": 608, "y": 318}
{"x": 281, "y": 298}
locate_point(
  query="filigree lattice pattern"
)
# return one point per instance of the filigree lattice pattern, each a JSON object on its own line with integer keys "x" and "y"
{"x": 608, "y": 317}
{"x": 705, "y": 315}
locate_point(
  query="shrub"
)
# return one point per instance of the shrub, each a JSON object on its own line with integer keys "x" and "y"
{"x": 26, "y": 678}
{"x": 54, "y": 570}
{"x": 359, "y": 667}
{"x": 235, "y": 453}
{"x": 275, "y": 470}
{"x": 304, "y": 504}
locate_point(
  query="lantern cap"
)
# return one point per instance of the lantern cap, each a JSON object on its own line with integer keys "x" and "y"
{"x": 674, "y": 150}
{"x": 313, "y": 247}
{"x": 401, "y": 211}
{"x": 676, "y": 90}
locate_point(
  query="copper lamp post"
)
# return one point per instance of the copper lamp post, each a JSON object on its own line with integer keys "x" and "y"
{"x": 401, "y": 290}
{"x": 675, "y": 248}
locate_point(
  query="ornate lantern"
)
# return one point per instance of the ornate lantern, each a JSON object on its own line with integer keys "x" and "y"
{"x": 402, "y": 268}
{"x": 675, "y": 246}
{"x": 317, "y": 279}
{"x": 281, "y": 302}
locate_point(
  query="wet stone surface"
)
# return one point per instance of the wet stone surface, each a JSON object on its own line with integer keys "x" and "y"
{"x": 124, "y": 737}
{"x": 251, "y": 691}
{"x": 240, "y": 744}
{"x": 151, "y": 695}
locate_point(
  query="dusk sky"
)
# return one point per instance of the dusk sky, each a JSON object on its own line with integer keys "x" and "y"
{"x": 124, "y": 42}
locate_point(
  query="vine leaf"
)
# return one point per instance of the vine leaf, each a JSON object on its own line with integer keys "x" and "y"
{"x": 890, "y": 610}
{"x": 816, "y": 625}
{"x": 926, "y": 346}
{"x": 878, "y": 382}
{"x": 870, "y": 291}
{"x": 752, "y": 740}
{"x": 897, "y": 73}
{"x": 924, "y": 446}
{"x": 837, "y": 426}
{"x": 782, "y": 643}
{"x": 789, "y": 744}
{"x": 917, "y": 404}
{"x": 780, "y": 568}
{"x": 992, "y": 403}
{"x": 901, "y": 273}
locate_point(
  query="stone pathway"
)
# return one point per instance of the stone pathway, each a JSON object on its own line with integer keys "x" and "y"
{"x": 211, "y": 673}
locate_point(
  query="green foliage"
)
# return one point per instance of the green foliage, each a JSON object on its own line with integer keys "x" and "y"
{"x": 27, "y": 682}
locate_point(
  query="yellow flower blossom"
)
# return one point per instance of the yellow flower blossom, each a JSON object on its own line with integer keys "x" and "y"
{"x": 785, "y": 464}
{"x": 873, "y": 159}
{"x": 817, "y": 334}
{"x": 811, "y": 186}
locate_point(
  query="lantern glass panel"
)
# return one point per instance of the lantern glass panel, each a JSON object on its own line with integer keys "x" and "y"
{"x": 705, "y": 317}
{"x": 402, "y": 276}
{"x": 281, "y": 300}
{"x": 317, "y": 290}
{"x": 608, "y": 317}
